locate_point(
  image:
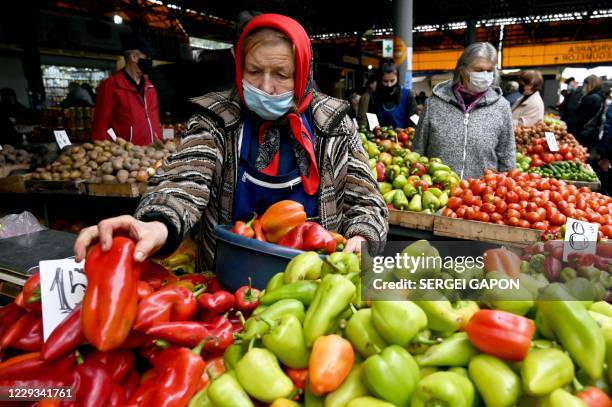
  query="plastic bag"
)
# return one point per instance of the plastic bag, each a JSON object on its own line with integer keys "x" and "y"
{"x": 19, "y": 224}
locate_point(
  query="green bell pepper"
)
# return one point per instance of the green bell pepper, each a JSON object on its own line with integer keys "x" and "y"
{"x": 412, "y": 157}
{"x": 427, "y": 179}
{"x": 443, "y": 199}
{"x": 384, "y": 187}
{"x": 302, "y": 291}
{"x": 446, "y": 389}
{"x": 415, "y": 204}
{"x": 430, "y": 201}
{"x": 545, "y": 370}
{"x": 575, "y": 329}
{"x": 424, "y": 160}
{"x": 456, "y": 350}
{"x": 409, "y": 190}
{"x": 433, "y": 167}
{"x": 331, "y": 299}
{"x": 286, "y": 341}
{"x": 426, "y": 371}
{"x": 310, "y": 400}
{"x": 388, "y": 197}
{"x": 392, "y": 375}
{"x": 261, "y": 376}
{"x": 275, "y": 282}
{"x": 420, "y": 248}
{"x": 350, "y": 389}
{"x": 398, "y": 161}
{"x": 602, "y": 307}
{"x": 226, "y": 391}
{"x": 362, "y": 335}
{"x": 304, "y": 266}
{"x": 201, "y": 399}
{"x": 561, "y": 398}
{"x": 398, "y": 322}
{"x": 232, "y": 355}
{"x": 393, "y": 172}
{"x": 368, "y": 402}
{"x": 399, "y": 181}
{"x": 441, "y": 176}
{"x": 400, "y": 201}
{"x": 436, "y": 191}
{"x": 372, "y": 163}
{"x": 441, "y": 315}
{"x": 498, "y": 385}
{"x": 461, "y": 371}
{"x": 341, "y": 263}
{"x": 255, "y": 327}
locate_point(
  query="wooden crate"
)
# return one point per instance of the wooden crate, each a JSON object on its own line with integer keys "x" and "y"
{"x": 55, "y": 187}
{"x": 122, "y": 190}
{"x": 13, "y": 184}
{"x": 484, "y": 232}
{"x": 411, "y": 220}
{"x": 5, "y": 170}
{"x": 594, "y": 186}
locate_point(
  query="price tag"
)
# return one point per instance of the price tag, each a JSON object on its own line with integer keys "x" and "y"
{"x": 112, "y": 134}
{"x": 415, "y": 118}
{"x": 168, "y": 134}
{"x": 62, "y": 138}
{"x": 552, "y": 141}
{"x": 580, "y": 237}
{"x": 372, "y": 121}
{"x": 62, "y": 287}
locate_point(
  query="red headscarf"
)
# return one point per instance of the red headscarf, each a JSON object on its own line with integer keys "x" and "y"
{"x": 302, "y": 94}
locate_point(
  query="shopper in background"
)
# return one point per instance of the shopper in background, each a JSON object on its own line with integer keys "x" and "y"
{"x": 77, "y": 96}
{"x": 421, "y": 98}
{"x": 11, "y": 113}
{"x": 529, "y": 109}
{"x": 590, "y": 112}
{"x": 604, "y": 150}
{"x": 569, "y": 106}
{"x": 467, "y": 122}
{"x": 127, "y": 103}
{"x": 513, "y": 92}
{"x": 90, "y": 91}
{"x": 391, "y": 102}
{"x": 272, "y": 137}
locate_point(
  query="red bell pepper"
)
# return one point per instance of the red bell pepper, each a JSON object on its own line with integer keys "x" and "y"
{"x": 24, "y": 327}
{"x": 594, "y": 397}
{"x": 135, "y": 340}
{"x": 247, "y": 297}
{"x": 309, "y": 236}
{"x": 64, "y": 338}
{"x": 92, "y": 385}
{"x": 244, "y": 228}
{"x": 418, "y": 169}
{"x": 144, "y": 290}
{"x": 111, "y": 299}
{"x": 131, "y": 383}
{"x": 502, "y": 260}
{"x": 501, "y": 334}
{"x": 32, "y": 339}
{"x": 155, "y": 274}
{"x": 117, "y": 362}
{"x": 297, "y": 376}
{"x": 31, "y": 366}
{"x": 117, "y": 396}
{"x": 9, "y": 315}
{"x": 212, "y": 283}
{"x": 280, "y": 218}
{"x": 258, "y": 229}
{"x": 215, "y": 367}
{"x": 30, "y": 295}
{"x": 219, "y": 302}
{"x": 168, "y": 304}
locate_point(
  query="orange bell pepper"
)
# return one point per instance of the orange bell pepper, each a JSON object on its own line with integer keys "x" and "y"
{"x": 331, "y": 361}
{"x": 502, "y": 260}
{"x": 111, "y": 299}
{"x": 280, "y": 218}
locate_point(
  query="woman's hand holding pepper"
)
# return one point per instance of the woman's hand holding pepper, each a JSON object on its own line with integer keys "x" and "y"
{"x": 149, "y": 236}
{"x": 353, "y": 245}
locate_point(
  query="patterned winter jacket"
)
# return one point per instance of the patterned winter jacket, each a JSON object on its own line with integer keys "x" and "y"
{"x": 195, "y": 186}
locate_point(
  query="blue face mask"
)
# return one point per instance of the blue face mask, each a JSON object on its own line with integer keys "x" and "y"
{"x": 264, "y": 105}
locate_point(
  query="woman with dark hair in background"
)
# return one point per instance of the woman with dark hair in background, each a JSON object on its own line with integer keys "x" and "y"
{"x": 590, "y": 112}
{"x": 392, "y": 103}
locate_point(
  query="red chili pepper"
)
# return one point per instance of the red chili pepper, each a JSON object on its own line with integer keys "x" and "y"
{"x": 218, "y": 302}
{"x": 182, "y": 333}
{"x": 501, "y": 334}
{"x": 131, "y": 383}
{"x": 221, "y": 336}
{"x": 31, "y": 366}
{"x": 92, "y": 385}
{"x": 309, "y": 236}
{"x": 32, "y": 339}
{"x": 247, "y": 297}
{"x": 24, "y": 327}
{"x": 244, "y": 228}
{"x": 155, "y": 274}
{"x": 297, "y": 376}
{"x": 117, "y": 362}
{"x": 168, "y": 304}
{"x": 9, "y": 315}
{"x": 111, "y": 299}
{"x": 144, "y": 290}
{"x": 64, "y": 338}
{"x": 258, "y": 229}
{"x": 30, "y": 298}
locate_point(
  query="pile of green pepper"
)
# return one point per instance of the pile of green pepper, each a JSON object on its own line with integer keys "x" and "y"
{"x": 566, "y": 170}
{"x": 312, "y": 324}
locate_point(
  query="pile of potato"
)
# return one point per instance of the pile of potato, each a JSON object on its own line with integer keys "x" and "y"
{"x": 525, "y": 135}
{"x": 9, "y": 155}
{"x": 107, "y": 162}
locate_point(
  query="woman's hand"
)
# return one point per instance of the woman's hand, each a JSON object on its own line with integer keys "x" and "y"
{"x": 353, "y": 245}
{"x": 149, "y": 236}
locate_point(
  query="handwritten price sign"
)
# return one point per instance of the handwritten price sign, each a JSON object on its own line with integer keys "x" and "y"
{"x": 580, "y": 237}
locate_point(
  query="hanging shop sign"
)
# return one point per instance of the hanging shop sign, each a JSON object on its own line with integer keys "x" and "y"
{"x": 435, "y": 60}
{"x": 564, "y": 53}
{"x": 399, "y": 50}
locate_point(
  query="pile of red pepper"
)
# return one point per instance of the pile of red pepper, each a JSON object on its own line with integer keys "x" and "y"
{"x": 286, "y": 224}
{"x": 129, "y": 342}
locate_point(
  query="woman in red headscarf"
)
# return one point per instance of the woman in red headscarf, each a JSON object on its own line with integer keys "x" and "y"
{"x": 270, "y": 138}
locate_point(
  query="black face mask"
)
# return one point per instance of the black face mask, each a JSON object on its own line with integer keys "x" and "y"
{"x": 522, "y": 88}
{"x": 145, "y": 65}
{"x": 387, "y": 91}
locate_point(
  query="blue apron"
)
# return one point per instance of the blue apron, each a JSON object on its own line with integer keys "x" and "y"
{"x": 256, "y": 191}
{"x": 395, "y": 116}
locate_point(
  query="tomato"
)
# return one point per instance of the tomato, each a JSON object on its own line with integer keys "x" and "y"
{"x": 487, "y": 207}
{"x": 509, "y": 183}
{"x": 470, "y": 213}
{"x": 531, "y": 206}
{"x": 514, "y": 173}
{"x": 489, "y": 177}
{"x": 512, "y": 213}
{"x": 562, "y": 205}
{"x": 606, "y": 230}
{"x": 488, "y": 190}
{"x": 569, "y": 156}
{"x": 544, "y": 184}
{"x": 456, "y": 191}
{"x": 501, "y": 191}
{"x": 594, "y": 397}
{"x": 539, "y": 226}
{"x": 477, "y": 187}
{"x": 580, "y": 203}
{"x": 482, "y": 217}
{"x": 531, "y": 217}
{"x": 564, "y": 148}
{"x": 512, "y": 197}
{"x": 555, "y": 196}
{"x": 539, "y": 149}
{"x": 513, "y": 221}
{"x": 464, "y": 184}
{"x": 454, "y": 202}
{"x": 523, "y": 195}
{"x": 514, "y": 206}
{"x": 449, "y": 212}
{"x": 461, "y": 211}
{"x": 558, "y": 219}
{"x": 594, "y": 217}
{"x": 523, "y": 204}
{"x": 496, "y": 217}
{"x": 468, "y": 197}
{"x": 571, "y": 199}
{"x": 536, "y": 162}
{"x": 548, "y": 157}
{"x": 488, "y": 197}
{"x": 501, "y": 206}
{"x": 524, "y": 224}
{"x": 558, "y": 157}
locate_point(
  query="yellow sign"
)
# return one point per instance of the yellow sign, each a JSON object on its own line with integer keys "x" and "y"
{"x": 561, "y": 53}
{"x": 435, "y": 60}
{"x": 399, "y": 50}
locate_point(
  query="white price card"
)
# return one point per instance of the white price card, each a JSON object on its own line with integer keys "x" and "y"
{"x": 112, "y": 134}
{"x": 552, "y": 141}
{"x": 580, "y": 237}
{"x": 415, "y": 118}
{"x": 372, "y": 121}
{"x": 62, "y": 287}
{"x": 168, "y": 134}
{"x": 62, "y": 138}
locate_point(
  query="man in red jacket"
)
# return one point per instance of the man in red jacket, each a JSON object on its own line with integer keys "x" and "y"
{"x": 126, "y": 102}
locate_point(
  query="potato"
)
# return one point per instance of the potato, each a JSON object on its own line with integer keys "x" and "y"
{"x": 158, "y": 155}
{"x": 79, "y": 163}
{"x": 101, "y": 159}
{"x": 65, "y": 175}
{"x": 121, "y": 141}
{"x": 125, "y": 155}
{"x": 117, "y": 164}
{"x": 56, "y": 177}
{"x": 93, "y": 165}
{"x": 116, "y": 150}
{"x": 170, "y": 146}
{"x": 138, "y": 154}
{"x": 131, "y": 180}
{"x": 108, "y": 178}
{"x": 88, "y": 146}
{"x": 133, "y": 174}
{"x": 93, "y": 154}
{"x": 98, "y": 149}
{"x": 74, "y": 175}
{"x": 64, "y": 159}
{"x": 150, "y": 150}
{"x": 122, "y": 176}
{"x": 107, "y": 168}
{"x": 78, "y": 156}
{"x": 36, "y": 175}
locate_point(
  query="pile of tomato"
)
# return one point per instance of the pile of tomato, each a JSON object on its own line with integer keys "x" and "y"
{"x": 527, "y": 200}
{"x": 540, "y": 153}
